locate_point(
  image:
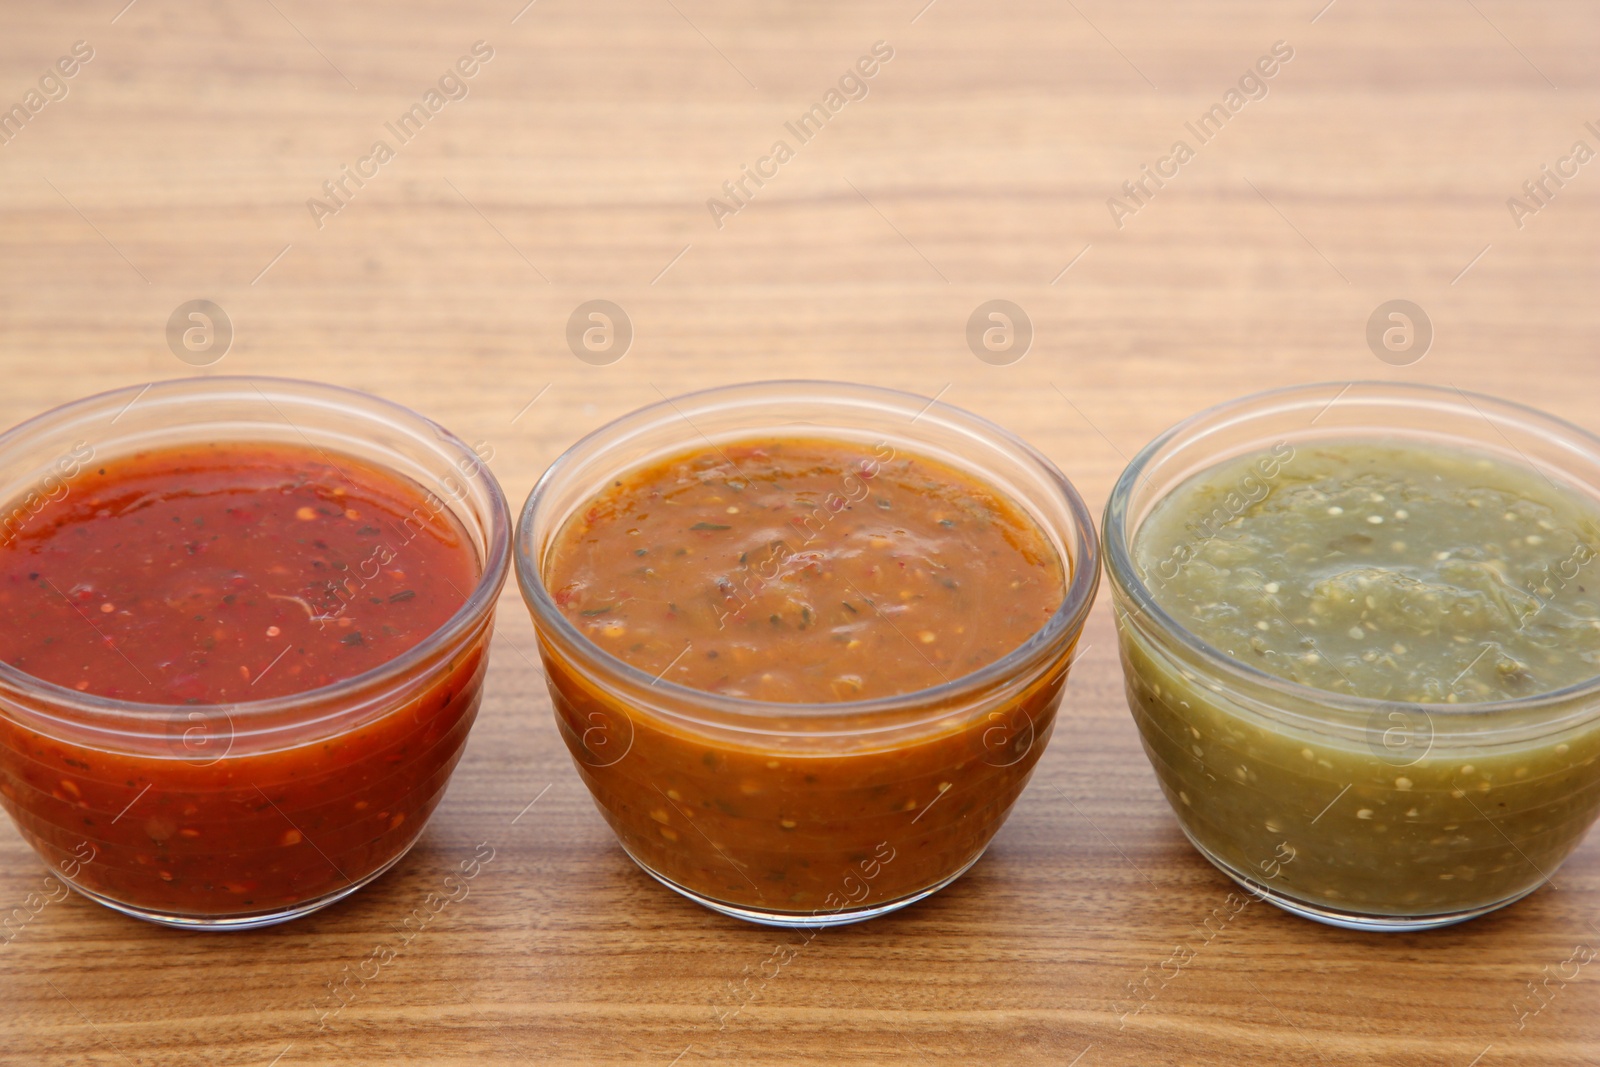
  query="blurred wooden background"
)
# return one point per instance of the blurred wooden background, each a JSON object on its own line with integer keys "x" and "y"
{"x": 977, "y": 167}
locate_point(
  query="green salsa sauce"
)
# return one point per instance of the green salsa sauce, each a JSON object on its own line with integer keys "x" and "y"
{"x": 1389, "y": 570}
{"x": 1417, "y": 574}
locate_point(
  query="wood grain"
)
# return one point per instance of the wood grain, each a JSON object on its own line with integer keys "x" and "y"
{"x": 977, "y": 167}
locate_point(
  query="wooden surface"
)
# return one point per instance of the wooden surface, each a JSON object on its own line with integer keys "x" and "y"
{"x": 977, "y": 167}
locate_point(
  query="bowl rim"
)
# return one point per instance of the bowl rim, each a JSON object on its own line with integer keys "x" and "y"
{"x": 1125, "y": 577}
{"x": 1065, "y": 623}
{"x": 497, "y": 541}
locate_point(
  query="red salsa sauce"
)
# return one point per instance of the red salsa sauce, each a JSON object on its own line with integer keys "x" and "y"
{"x": 226, "y": 573}
{"x": 205, "y": 577}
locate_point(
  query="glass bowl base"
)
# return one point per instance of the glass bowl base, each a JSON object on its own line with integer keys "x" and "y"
{"x": 1351, "y": 920}
{"x": 246, "y": 921}
{"x": 806, "y": 919}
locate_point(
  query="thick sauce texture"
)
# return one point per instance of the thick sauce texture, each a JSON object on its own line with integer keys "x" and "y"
{"x": 804, "y": 571}
{"x": 202, "y": 577}
{"x": 1417, "y": 573}
{"x": 817, "y": 571}
{"x": 1395, "y": 571}
{"x": 226, "y": 573}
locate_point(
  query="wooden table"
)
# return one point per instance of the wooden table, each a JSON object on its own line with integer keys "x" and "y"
{"x": 978, "y": 166}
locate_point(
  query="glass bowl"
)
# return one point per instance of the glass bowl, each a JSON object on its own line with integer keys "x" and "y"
{"x": 245, "y": 814}
{"x": 806, "y": 814}
{"x": 1357, "y": 812}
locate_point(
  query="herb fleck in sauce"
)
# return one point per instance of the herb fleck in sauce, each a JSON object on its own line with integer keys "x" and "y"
{"x": 772, "y": 562}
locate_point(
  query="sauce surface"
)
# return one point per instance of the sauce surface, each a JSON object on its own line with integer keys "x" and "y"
{"x": 210, "y": 575}
{"x": 1385, "y": 569}
{"x": 804, "y": 570}
{"x": 225, "y": 573}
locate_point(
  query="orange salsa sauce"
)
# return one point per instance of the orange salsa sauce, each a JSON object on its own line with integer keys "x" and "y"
{"x": 201, "y": 578}
{"x": 799, "y": 570}
{"x": 784, "y": 571}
